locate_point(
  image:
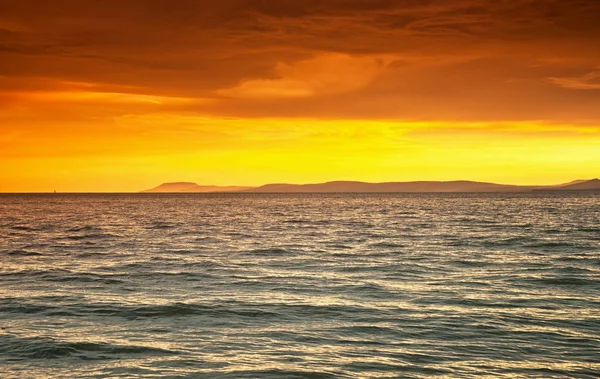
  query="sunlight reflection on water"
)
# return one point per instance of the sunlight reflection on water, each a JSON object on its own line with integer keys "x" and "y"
{"x": 300, "y": 286}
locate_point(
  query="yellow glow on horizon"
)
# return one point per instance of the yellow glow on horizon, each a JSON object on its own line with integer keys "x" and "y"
{"x": 134, "y": 152}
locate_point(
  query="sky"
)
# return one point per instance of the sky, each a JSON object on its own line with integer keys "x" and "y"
{"x": 113, "y": 95}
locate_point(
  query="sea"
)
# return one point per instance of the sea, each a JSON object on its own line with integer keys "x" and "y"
{"x": 300, "y": 285}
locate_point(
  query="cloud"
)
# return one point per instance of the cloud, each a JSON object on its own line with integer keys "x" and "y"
{"x": 322, "y": 75}
{"x": 364, "y": 58}
{"x": 589, "y": 81}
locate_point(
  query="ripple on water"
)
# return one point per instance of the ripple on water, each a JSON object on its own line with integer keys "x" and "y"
{"x": 13, "y": 347}
{"x": 300, "y": 286}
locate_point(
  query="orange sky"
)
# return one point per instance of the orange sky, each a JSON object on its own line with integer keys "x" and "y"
{"x": 124, "y": 95}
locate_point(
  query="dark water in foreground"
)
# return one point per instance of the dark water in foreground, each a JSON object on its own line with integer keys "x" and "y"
{"x": 300, "y": 286}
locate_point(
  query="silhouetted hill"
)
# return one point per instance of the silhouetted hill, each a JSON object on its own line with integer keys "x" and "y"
{"x": 424, "y": 186}
{"x": 573, "y": 182}
{"x": 353, "y": 186}
{"x": 193, "y": 187}
{"x": 585, "y": 185}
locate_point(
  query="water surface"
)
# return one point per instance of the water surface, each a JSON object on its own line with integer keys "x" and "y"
{"x": 300, "y": 285}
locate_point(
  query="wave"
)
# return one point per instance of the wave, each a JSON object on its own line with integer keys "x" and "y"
{"x": 278, "y": 374}
{"x": 90, "y": 236}
{"x": 275, "y": 251}
{"x": 132, "y": 312}
{"x": 28, "y": 228}
{"x": 83, "y": 278}
{"x": 163, "y": 225}
{"x": 297, "y": 221}
{"x": 385, "y": 245}
{"x": 84, "y": 228}
{"x": 230, "y": 310}
{"x": 20, "y": 253}
{"x": 553, "y": 244}
{"x": 581, "y": 259}
{"x": 340, "y": 247}
{"x": 468, "y": 263}
{"x": 207, "y": 240}
{"x": 512, "y": 241}
{"x": 61, "y": 275}
{"x": 49, "y": 348}
{"x": 565, "y": 281}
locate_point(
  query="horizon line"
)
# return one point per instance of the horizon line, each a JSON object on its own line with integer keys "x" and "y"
{"x": 526, "y": 187}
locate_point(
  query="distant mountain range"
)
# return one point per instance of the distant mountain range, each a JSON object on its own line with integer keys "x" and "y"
{"x": 580, "y": 185}
{"x": 193, "y": 187}
{"x": 350, "y": 186}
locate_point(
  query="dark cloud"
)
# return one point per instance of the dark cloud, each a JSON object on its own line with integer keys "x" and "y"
{"x": 454, "y": 59}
